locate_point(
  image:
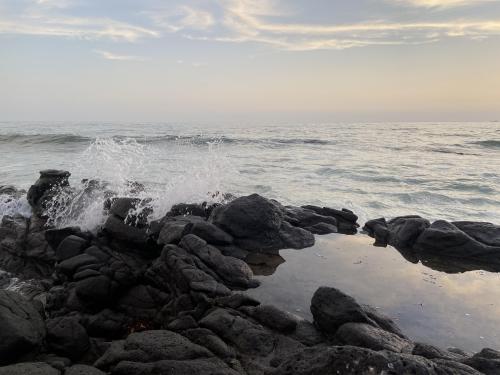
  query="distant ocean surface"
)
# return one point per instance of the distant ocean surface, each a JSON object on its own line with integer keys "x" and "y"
{"x": 437, "y": 170}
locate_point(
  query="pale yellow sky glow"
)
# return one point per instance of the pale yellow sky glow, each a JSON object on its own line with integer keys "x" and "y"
{"x": 370, "y": 60}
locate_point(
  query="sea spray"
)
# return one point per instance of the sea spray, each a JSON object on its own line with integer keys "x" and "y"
{"x": 161, "y": 175}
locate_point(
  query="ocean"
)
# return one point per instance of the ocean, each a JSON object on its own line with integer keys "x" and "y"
{"x": 436, "y": 170}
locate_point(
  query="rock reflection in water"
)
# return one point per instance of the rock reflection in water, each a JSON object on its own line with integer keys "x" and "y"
{"x": 264, "y": 264}
{"x": 433, "y": 300}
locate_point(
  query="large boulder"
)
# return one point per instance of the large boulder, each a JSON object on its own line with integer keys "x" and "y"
{"x": 487, "y": 361}
{"x": 331, "y": 309}
{"x": 22, "y": 329}
{"x": 257, "y": 224}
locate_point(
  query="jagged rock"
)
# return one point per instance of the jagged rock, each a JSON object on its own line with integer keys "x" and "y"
{"x": 273, "y": 317}
{"x": 95, "y": 290}
{"x": 233, "y": 271}
{"x": 22, "y": 329}
{"x": 23, "y": 248}
{"x": 367, "y": 336}
{"x": 142, "y": 301}
{"x": 201, "y": 366}
{"x": 151, "y": 346}
{"x": 69, "y": 247}
{"x": 432, "y": 352}
{"x": 174, "y": 228}
{"x": 247, "y": 337}
{"x": 210, "y": 233}
{"x": 35, "y": 368}
{"x": 487, "y": 361}
{"x": 351, "y": 360}
{"x": 331, "y": 309}
{"x": 346, "y": 219}
{"x": 67, "y": 337}
{"x": 45, "y": 187}
{"x": 209, "y": 340}
{"x": 176, "y": 266}
{"x": 83, "y": 370}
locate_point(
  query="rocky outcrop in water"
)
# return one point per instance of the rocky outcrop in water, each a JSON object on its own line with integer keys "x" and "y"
{"x": 167, "y": 298}
{"x": 451, "y": 246}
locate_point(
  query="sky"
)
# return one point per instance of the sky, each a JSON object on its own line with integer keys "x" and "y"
{"x": 235, "y": 60}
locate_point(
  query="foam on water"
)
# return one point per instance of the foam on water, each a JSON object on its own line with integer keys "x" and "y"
{"x": 163, "y": 176}
{"x": 10, "y": 206}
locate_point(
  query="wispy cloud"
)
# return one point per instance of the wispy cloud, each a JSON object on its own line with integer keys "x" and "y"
{"x": 112, "y": 56}
{"x": 182, "y": 17}
{"x": 263, "y": 21}
{"x": 441, "y": 3}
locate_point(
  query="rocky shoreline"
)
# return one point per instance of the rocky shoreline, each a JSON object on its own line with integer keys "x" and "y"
{"x": 166, "y": 297}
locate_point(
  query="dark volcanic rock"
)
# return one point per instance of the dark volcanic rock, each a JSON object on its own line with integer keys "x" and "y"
{"x": 201, "y": 366}
{"x": 331, "y": 309}
{"x": 22, "y": 329}
{"x": 487, "y": 361}
{"x": 45, "y": 187}
{"x": 69, "y": 247}
{"x": 451, "y": 247}
{"x": 351, "y": 360}
{"x": 152, "y": 346}
{"x": 257, "y": 224}
{"x": 67, "y": 337}
{"x": 367, "y": 336}
{"x": 23, "y": 248}
{"x": 83, "y": 370}
{"x": 35, "y": 368}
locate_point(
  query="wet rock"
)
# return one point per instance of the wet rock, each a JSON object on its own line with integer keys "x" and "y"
{"x": 487, "y": 361}
{"x": 45, "y": 187}
{"x": 174, "y": 228}
{"x": 486, "y": 233}
{"x": 124, "y": 233}
{"x": 54, "y": 236}
{"x": 183, "y": 209}
{"x": 67, "y": 337}
{"x": 400, "y": 232}
{"x": 142, "y": 301}
{"x": 367, "y": 336}
{"x": 35, "y": 368}
{"x": 151, "y": 346}
{"x": 346, "y": 219}
{"x": 307, "y": 333}
{"x": 22, "y": 329}
{"x": 69, "y": 247}
{"x": 331, "y": 309}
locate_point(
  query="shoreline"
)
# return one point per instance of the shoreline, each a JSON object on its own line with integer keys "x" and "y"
{"x": 147, "y": 297}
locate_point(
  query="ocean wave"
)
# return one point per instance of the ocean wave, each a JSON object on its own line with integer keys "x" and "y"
{"x": 43, "y": 138}
{"x": 490, "y": 143}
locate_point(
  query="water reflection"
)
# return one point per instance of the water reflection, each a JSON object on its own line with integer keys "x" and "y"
{"x": 432, "y": 302}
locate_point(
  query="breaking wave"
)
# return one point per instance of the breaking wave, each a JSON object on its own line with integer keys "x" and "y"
{"x": 160, "y": 176}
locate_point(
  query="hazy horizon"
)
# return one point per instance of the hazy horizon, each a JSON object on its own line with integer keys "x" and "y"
{"x": 250, "y": 60}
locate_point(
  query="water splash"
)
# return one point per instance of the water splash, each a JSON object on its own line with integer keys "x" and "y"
{"x": 162, "y": 175}
{"x": 11, "y": 206}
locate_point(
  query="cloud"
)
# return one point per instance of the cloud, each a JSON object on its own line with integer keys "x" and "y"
{"x": 442, "y": 3}
{"x": 111, "y": 56}
{"x": 183, "y": 17}
{"x": 263, "y": 22}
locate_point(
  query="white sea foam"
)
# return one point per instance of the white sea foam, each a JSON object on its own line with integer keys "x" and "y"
{"x": 11, "y": 206}
{"x": 167, "y": 174}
